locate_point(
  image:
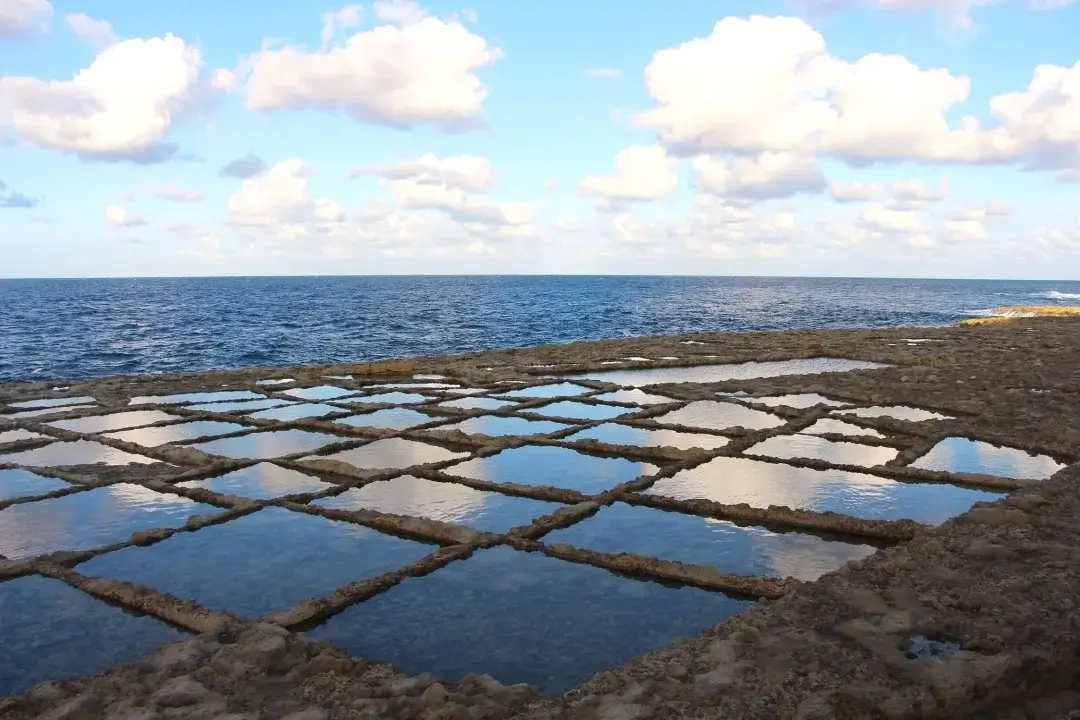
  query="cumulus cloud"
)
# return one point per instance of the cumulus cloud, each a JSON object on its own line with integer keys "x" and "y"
{"x": 641, "y": 173}
{"x": 770, "y": 84}
{"x": 19, "y": 17}
{"x": 464, "y": 172}
{"x": 420, "y": 71}
{"x": 175, "y": 193}
{"x": 121, "y": 107}
{"x": 99, "y": 33}
{"x": 770, "y": 175}
{"x": 401, "y": 12}
{"x": 120, "y": 217}
{"x": 279, "y": 200}
{"x": 242, "y": 168}
{"x": 336, "y": 21}
{"x": 852, "y": 192}
{"x": 916, "y": 192}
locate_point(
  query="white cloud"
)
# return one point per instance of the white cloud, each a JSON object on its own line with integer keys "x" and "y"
{"x": 465, "y": 172}
{"x": 416, "y": 73}
{"x": 767, "y": 176}
{"x": 887, "y": 220}
{"x": 769, "y": 84}
{"x": 916, "y": 191}
{"x": 336, "y": 21}
{"x": 994, "y": 210}
{"x": 120, "y": 217}
{"x": 843, "y": 192}
{"x": 175, "y": 193}
{"x": 18, "y": 17}
{"x": 99, "y": 33}
{"x": 279, "y": 201}
{"x": 121, "y": 107}
{"x": 967, "y": 229}
{"x": 641, "y": 173}
{"x": 401, "y": 12}
{"x": 603, "y": 73}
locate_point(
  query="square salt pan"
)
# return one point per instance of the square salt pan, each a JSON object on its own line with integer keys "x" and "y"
{"x": 112, "y": 421}
{"x": 10, "y": 436}
{"x": 23, "y": 483}
{"x": 957, "y": 454}
{"x": 553, "y": 466}
{"x": 161, "y": 434}
{"x": 390, "y": 398}
{"x": 268, "y": 444}
{"x": 106, "y": 515}
{"x": 816, "y": 448}
{"x": 498, "y": 426}
{"x": 900, "y": 412}
{"x": 580, "y": 411}
{"x": 389, "y": 419}
{"x": 274, "y": 559}
{"x": 549, "y": 391}
{"x": 195, "y": 397}
{"x": 716, "y": 415}
{"x": 263, "y": 481}
{"x": 799, "y": 400}
{"x": 78, "y": 452}
{"x": 392, "y": 454}
{"x": 320, "y": 392}
{"x": 52, "y": 402}
{"x": 616, "y": 434}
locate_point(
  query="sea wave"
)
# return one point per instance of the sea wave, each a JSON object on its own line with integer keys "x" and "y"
{"x": 999, "y": 312}
{"x": 1056, "y": 295}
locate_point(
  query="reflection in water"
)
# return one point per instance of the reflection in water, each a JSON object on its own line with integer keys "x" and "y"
{"x": 266, "y": 445}
{"x": 77, "y": 452}
{"x": 900, "y": 412}
{"x": 51, "y": 631}
{"x": 581, "y": 411}
{"x": 295, "y": 412}
{"x": 549, "y": 391}
{"x": 275, "y": 381}
{"x": 466, "y": 391}
{"x": 635, "y": 396}
{"x": 799, "y": 400}
{"x": 475, "y": 403}
{"x": 52, "y": 402}
{"x": 393, "y": 454}
{"x": 716, "y": 415}
{"x": 448, "y": 502}
{"x": 616, "y": 434}
{"x": 197, "y": 397}
{"x": 731, "y": 480}
{"x": 23, "y": 483}
{"x": 825, "y": 426}
{"x": 522, "y": 617}
{"x": 90, "y": 519}
{"x": 390, "y": 398}
{"x": 418, "y": 385}
{"x": 114, "y": 421}
{"x": 691, "y": 539}
{"x": 10, "y": 436}
{"x": 958, "y": 454}
{"x": 553, "y": 466}
{"x": 815, "y": 448}
{"x": 390, "y": 418}
{"x": 261, "y": 482}
{"x": 47, "y": 411}
{"x": 154, "y": 436}
{"x": 319, "y": 392}
{"x": 716, "y": 373}
{"x": 494, "y": 426}
{"x": 240, "y": 405}
{"x": 273, "y": 558}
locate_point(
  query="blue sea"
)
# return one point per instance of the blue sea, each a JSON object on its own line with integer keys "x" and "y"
{"x": 81, "y": 328}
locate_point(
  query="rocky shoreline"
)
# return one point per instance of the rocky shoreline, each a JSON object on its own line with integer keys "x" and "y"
{"x": 996, "y": 590}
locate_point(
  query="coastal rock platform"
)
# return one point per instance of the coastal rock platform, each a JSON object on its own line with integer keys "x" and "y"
{"x": 883, "y": 610}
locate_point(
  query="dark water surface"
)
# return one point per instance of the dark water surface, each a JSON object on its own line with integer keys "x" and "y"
{"x": 89, "y": 328}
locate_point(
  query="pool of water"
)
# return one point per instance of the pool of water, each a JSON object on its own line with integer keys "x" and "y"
{"x": 196, "y": 397}
{"x": 760, "y": 484}
{"x": 51, "y": 402}
{"x": 391, "y": 398}
{"x": 635, "y": 396}
{"x": 496, "y": 426}
{"x": 617, "y": 434}
{"x": 267, "y": 444}
{"x": 51, "y": 631}
{"x": 523, "y": 617}
{"x": 554, "y": 466}
{"x": 447, "y": 502}
{"x": 786, "y": 447}
{"x": 900, "y": 412}
{"x": 798, "y": 400}
{"x": 76, "y": 452}
{"x": 113, "y": 421}
{"x": 260, "y": 563}
{"x": 717, "y": 415}
{"x": 10, "y": 436}
{"x": 389, "y": 419}
{"x": 90, "y": 519}
{"x": 581, "y": 411}
{"x": 299, "y": 411}
{"x": 239, "y": 406}
{"x": 394, "y": 454}
{"x": 46, "y": 411}
{"x": 23, "y": 483}
{"x": 957, "y": 454}
{"x": 154, "y": 436}
{"x": 275, "y": 381}
{"x": 826, "y": 426}
{"x": 477, "y": 403}
{"x": 319, "y": 392}
{"x": 716, "y": 373}
{"x": 703, "y": 541}
{"x": 548, "y": 391}
{"x": 260, "y": 482}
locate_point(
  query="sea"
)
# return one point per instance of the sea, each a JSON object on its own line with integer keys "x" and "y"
{"x": 83, "y": 328}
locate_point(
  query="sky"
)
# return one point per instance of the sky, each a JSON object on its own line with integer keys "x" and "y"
{"x": 873, "y": 138}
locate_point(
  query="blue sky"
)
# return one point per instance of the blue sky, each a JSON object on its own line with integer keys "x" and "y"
{"x": 798, "y": 137}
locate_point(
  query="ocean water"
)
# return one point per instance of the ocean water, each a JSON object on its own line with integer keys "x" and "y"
{"x": 80, "y": 328}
